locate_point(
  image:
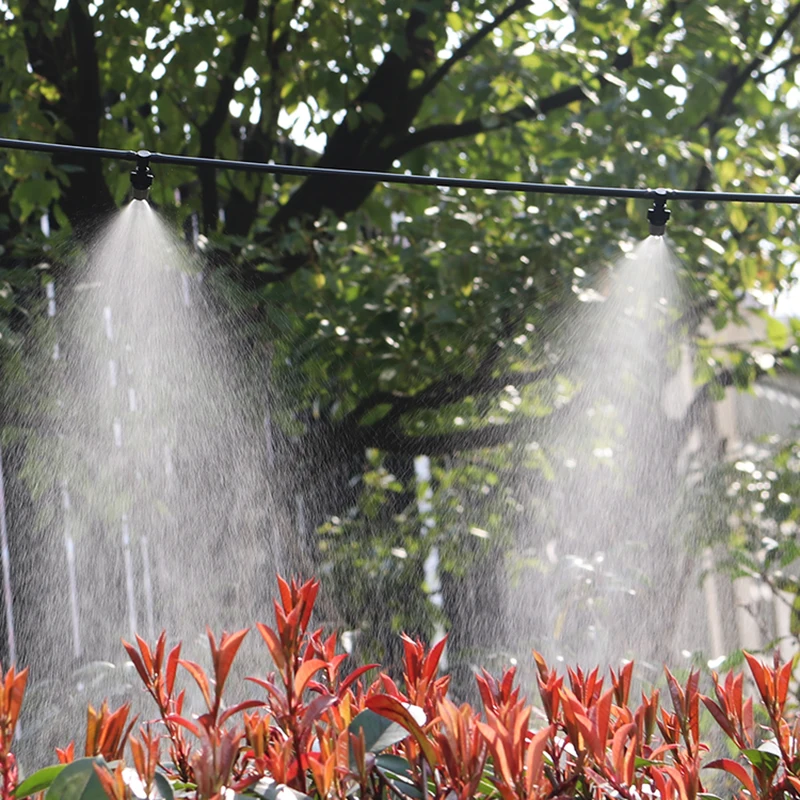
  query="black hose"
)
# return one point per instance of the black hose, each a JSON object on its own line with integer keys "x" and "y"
{"x": 523, "y": 187}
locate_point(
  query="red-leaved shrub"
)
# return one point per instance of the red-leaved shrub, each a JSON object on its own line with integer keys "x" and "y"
{"x": 315, "y": 732}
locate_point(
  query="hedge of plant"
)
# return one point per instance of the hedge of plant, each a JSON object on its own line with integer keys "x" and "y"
{"x": 314, "y": 732}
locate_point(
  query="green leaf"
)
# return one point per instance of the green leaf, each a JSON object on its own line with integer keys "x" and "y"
{"x": 39, "y": 781}
{"x": 34, "y": 193}
{"x": 747, "y": 268}
{"x": 397, "y": 771}
{"x": 762, "y": 760}
{"x": 78, "y": 781}
{"x": 394, "y": 764}
{"x": 182, "y": 786}
{"x": 164, "y": 787}
{"x": 777, "y": 333}
{"x": 454, "y": 21}
{"x": 726, "y": 172}
{"x": 379, "y": 732}
{"x": 738, "y": 218}
{"x": 646, "y": 762}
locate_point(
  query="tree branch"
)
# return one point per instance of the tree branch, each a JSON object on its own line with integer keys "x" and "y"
{"x": 211, "y": 128}
{"x": 375, "y": 146}
{"x": 69, "y": 61}
{"x": 725, "y": 379}
{"x": 791, "y": 18}
{"x": 216, "y": 119}
{"x": 448, "y": 131}
{"x": 734, "y": 85}
{"x": 392, "y": 441}
{"x": 88, "y": 99}
{"x": 739, "y": 79}
{"x": 242, "y": 208}
{"x": 523, "y": 112}
{"x": 701, "y": 400}
{"x": 446, "y": 392}
{"x": 785, "y": 64}
{"x": 469, "y": 45}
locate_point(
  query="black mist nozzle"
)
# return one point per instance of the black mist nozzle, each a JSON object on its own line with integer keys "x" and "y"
{"x": 658, "y": 214}
{"x": 141, "y": 177}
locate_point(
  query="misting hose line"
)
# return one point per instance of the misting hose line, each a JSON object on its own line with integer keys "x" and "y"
{"x": 143, "y": 158}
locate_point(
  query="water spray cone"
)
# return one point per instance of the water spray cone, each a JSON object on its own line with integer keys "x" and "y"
{"x": 658, "y": 214}
{"x": 141, "y": 177}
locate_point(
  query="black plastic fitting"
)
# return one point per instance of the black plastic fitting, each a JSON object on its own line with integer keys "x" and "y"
{"x": 141, "y": 177}
{"x": 658, "y": 214}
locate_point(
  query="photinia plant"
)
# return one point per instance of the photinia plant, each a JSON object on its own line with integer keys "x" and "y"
{"x": 318, "y": 733}
{"x": 12, "y": 691}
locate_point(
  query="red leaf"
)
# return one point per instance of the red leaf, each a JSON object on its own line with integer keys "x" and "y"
{"x": 594, "y": 745}
{"x": 676, "y": 693}
{"x": 758, "y": 672}
{"x": 146, "y": 656}
{"x": 389, "y": 686}
{"x": 622, "y": 684}
{"x": 432, "y": 661}
{"x": 737, "y": 686}
{"x": 748, "y": 721}
{"x": 784, "y": 676}
{"x": 720, "y": 717}
{"x": 196, "y": 671}
{"x": 212, "y": 643}
{"x": 286, "y": 593}
{"x": 184, "y": 723}
{"x": 662, "y": 783}
{"x": 541, "y": 665}
{"x": 507, "y": 682}
{"x": 355, "y": 674}
{"x": 307, "y": 669}
{"x": 67, "y": 754}
{"x": 618, "y": 748}
{"x": 591, "y": 684}
{"x": 173, "y": 659}
{"x": 601, "y": 713}
{"x": 309, "y": 591}
{"x": 136, "y": 660}
{"x": 14, "y": 697}
{"x": 410, "y": 661}
{"x": 273, "y": 644}
{"x": 161, "y": 645}
{"x": 738, "y": 772}
{"x": 207, "y": 720}
{"x": 497, "y": 746}
{"x": 317, "y": 707}
{"x": 228, "y": 647}
{"x": 677, "y": 780}
{"x": 394, "y": 710}
{"x": 693, "y": 706}
{"x": 229, "y": 712}
{"x": 272, "y": 690}
{"x": 534, "y": 763}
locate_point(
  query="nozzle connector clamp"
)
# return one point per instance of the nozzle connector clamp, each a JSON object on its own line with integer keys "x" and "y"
{"x": 141, "y": 177}
{"x": 658, "y": 214}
